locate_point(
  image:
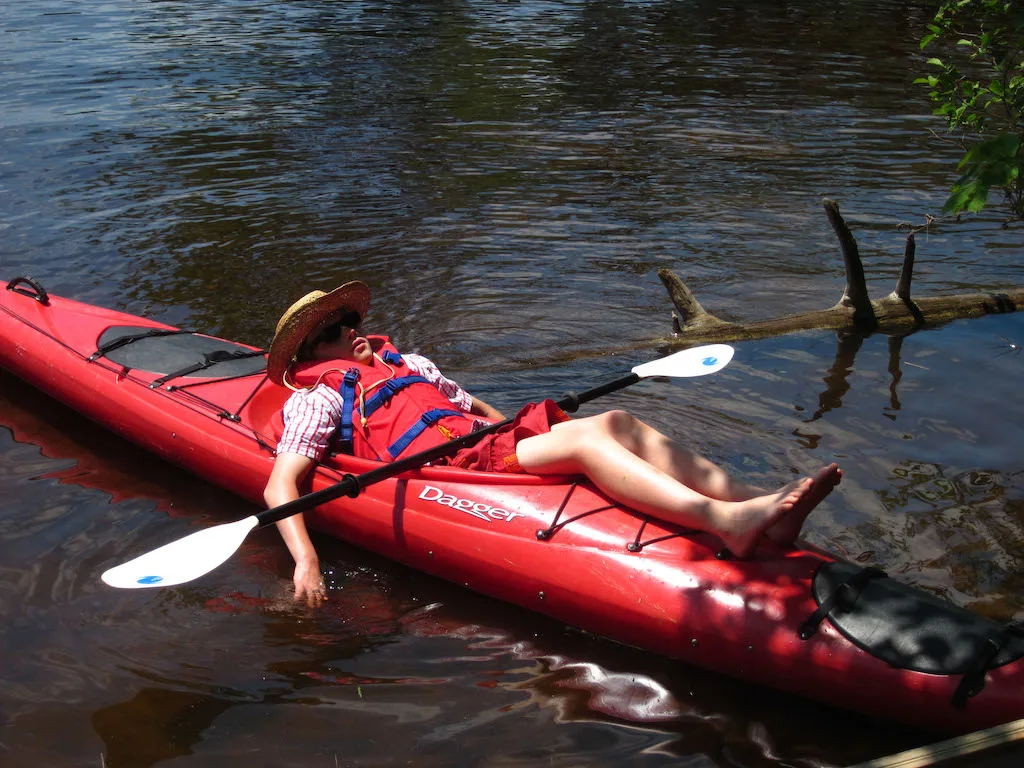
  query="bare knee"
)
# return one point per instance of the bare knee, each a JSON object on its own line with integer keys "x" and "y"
{"x": 582, "y": 437}
{"x": 620, "y": 425}
{"x": 560, "y": 451}
{"x": 578, "y": 440}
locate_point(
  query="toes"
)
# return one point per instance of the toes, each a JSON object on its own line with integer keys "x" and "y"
{"x": 799, "y": 492}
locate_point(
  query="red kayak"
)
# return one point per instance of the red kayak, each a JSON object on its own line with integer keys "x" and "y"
{"x": 796, "y": 620}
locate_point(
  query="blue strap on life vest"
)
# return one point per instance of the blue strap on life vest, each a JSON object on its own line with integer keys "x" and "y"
{"x": 348, "y": 396}
{"x": 428, "y": 419}
{"x": 392, "y": 358}
{"x": 387, "y": 390}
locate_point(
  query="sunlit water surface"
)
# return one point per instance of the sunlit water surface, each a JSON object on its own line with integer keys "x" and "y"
{"x": 508, "y": 178}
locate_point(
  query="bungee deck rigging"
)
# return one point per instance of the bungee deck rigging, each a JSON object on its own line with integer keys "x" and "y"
{"x": 152, "y": 358}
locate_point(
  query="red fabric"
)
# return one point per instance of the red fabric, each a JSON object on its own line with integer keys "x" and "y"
{"x": 497, "y": 452}
{"x": 389, "y": 422}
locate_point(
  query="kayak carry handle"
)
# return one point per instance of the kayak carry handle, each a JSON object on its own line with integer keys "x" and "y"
{"x": 40, "y": 294}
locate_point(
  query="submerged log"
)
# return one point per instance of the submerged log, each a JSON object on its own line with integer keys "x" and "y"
{"x": 897, "y": 313}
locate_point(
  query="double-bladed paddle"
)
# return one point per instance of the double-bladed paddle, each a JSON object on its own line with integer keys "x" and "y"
{"x": 199, "y": 553}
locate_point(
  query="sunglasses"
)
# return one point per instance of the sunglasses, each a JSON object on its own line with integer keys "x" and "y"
{"x": 332, "y": 332}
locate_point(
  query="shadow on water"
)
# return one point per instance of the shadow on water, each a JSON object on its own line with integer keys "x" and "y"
{"x": 483, "y": 662}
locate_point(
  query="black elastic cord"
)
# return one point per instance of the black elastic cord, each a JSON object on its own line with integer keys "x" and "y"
{"x": 974, "y": 678}
{"x": 210, "y": 359}
{"x": 545, "y": 533}
{"x": 637, "y": 546}
{"x": 844, "y": 596}
{"x": 122, "y": 341}
{"x": 973, "y": 681}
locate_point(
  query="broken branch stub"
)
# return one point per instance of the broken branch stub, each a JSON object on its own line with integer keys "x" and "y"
{"x": 894, "y": 314}
{"x": 855, "y": 295}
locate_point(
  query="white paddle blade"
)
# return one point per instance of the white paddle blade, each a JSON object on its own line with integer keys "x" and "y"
{"x": 699, "y": 361}
{"x": 182, "y": 560}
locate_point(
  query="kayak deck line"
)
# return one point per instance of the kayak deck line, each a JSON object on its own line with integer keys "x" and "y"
{"x": 635, "y": 546}
{"x": 544, "y": 534}
{"x": 123, "y": 341}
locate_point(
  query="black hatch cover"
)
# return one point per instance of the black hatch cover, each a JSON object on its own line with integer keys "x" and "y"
{"x": 176, "y": 351}
{"x": 912, "y": 629}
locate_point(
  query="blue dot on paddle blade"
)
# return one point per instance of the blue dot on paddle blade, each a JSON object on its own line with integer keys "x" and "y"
{"x": 150, "y": 580}
{"x": 710, "y": 360}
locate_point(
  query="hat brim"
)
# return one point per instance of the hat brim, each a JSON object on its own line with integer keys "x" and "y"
{"x": 313, "y": 311}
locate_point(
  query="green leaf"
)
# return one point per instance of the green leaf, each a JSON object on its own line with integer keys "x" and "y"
{"x": 1005, "y": 145}
{"x": 971, "y": 196}
{"x": 985, "y": 101}
{"x": 977, "y": 202}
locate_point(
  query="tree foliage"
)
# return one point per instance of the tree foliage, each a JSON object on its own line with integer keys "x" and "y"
{"x": 979, "y": 89}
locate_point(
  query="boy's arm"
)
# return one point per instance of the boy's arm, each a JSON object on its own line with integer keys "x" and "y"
{"x": 480, "y": 408}
{"x": 289, "y": 471}
{"x": 451, "y": 389}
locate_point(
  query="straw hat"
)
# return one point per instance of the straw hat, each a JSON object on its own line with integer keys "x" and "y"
{"x": 314, "y": 311}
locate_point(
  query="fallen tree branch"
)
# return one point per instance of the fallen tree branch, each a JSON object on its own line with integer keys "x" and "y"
{"x": 897, "y": 313}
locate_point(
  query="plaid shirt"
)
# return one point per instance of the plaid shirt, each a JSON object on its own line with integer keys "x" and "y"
{"x": 311, "y": 416}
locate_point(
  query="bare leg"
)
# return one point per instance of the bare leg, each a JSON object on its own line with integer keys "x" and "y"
{"x": 588, "y": 447}
{"x": 690, "y": 469}
{"x": 704, "y": 476}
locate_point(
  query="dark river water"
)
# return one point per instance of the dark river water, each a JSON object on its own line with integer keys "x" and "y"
{"x": 508, "y": 177}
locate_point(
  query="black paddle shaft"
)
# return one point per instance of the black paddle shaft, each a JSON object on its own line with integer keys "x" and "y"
{"x": 352, "y": 485}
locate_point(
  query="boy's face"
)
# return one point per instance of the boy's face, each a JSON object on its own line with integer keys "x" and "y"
{"x": 348, "y": 344}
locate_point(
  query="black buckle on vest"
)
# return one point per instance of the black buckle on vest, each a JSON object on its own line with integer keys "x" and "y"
{"x": 844, "y": 598}
{"x": 973, "y": 681}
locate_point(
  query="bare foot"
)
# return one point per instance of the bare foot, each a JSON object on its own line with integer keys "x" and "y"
{"x": 748, "y": 520}
{"x": 788, "y": 527}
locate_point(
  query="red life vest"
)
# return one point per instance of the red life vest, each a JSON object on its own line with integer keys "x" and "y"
{"x": 400, "y": 410}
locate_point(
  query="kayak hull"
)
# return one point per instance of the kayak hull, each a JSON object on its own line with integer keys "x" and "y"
{"x": 550, "y": 544}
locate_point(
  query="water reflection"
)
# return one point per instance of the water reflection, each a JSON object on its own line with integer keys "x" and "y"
{"x": 673, "y": 711}
{"x": 506, "y": 152}
{"x": 965, "y": 530}
{"x": 837, "y": 380}
{"x": 354, "y": 656}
